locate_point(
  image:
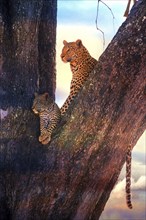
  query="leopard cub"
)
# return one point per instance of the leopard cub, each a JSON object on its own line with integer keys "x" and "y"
{"x": 49, "y": 114}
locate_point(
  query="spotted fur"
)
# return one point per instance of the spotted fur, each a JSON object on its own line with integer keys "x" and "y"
{"x": 49, "y": 114}
{"x": 81, "y": 64}
{"x": 128, "y": 177}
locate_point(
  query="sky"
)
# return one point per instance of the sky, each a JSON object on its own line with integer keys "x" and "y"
{"x": 76, "y": 20}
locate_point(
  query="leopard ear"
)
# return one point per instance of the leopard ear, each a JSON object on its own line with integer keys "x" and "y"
{"x": 46, "y": 95}
{"x": 78, "y": 42}
{"x": 64, "y": 42}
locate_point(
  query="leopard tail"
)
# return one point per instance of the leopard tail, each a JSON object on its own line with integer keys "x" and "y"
{"x": 128, "y": 178}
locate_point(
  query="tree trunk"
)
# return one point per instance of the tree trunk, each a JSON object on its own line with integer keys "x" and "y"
{"x": 72, "y": 177}
{"x": 27, "y": 65}
{"x": 28, "y": 36}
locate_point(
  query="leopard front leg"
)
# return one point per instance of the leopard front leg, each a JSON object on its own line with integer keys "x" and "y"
{"x": 47, "y": 127}
{"x": 51, "y": 126}
{"x": 44, "y": 137}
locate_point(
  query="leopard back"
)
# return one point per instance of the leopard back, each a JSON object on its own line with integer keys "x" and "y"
{"x": 81, "y": 64}
{"x": 49, "y": 114}
{"x": 128, "y": 177}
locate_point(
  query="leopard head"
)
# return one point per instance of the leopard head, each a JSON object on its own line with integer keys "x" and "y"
{"x": 41, "y": 102}
{"x": 70, "y": 50}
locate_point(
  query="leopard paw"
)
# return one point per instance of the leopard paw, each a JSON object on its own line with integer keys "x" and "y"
{"x": 45, "y": 139}
{"x": 41, "y": 138}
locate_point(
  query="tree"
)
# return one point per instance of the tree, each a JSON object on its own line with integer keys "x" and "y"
{"x": 27, "y": 65}
{"x": 73, "y": 176}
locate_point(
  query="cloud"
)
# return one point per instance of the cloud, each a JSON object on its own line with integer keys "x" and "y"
{"x": 116, "y": 207}
{"x": 140, "y": 184}
{"x": 139, "y": 157}
{"x": 123, "y": 213}
{"x": 119, "y": 187}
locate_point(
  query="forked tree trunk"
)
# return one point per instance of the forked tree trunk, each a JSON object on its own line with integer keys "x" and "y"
{"x": 72, "y": 177}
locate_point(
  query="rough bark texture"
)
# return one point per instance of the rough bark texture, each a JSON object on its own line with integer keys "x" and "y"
{"x": 73, "y": 176}
{"x": 27, "y": 65}
{"x": 28, "y": 36}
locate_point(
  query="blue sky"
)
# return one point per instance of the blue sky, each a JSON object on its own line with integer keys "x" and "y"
{"x": 76, "y": 20}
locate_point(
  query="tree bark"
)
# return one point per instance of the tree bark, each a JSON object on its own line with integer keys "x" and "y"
{"x": 28, "y": 36}
{"x": 27, "y": 65}
{"x": 72, "y": 178}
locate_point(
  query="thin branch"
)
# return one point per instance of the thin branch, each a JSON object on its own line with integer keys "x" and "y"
{"x": 97, "y": 24}
{"x": 97, "y": 19}
{"x": 108, "y": 8}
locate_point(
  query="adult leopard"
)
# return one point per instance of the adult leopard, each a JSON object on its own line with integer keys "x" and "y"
{"x": 81, "y": 64}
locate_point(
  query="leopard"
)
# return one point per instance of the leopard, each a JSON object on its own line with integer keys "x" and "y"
{"x": 49, "y": 114}
{"x": 128, "y": 177}
{"x": 81, "y": 65}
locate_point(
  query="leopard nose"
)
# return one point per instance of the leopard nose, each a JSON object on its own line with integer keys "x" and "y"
{"x": 69, "y": 59}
